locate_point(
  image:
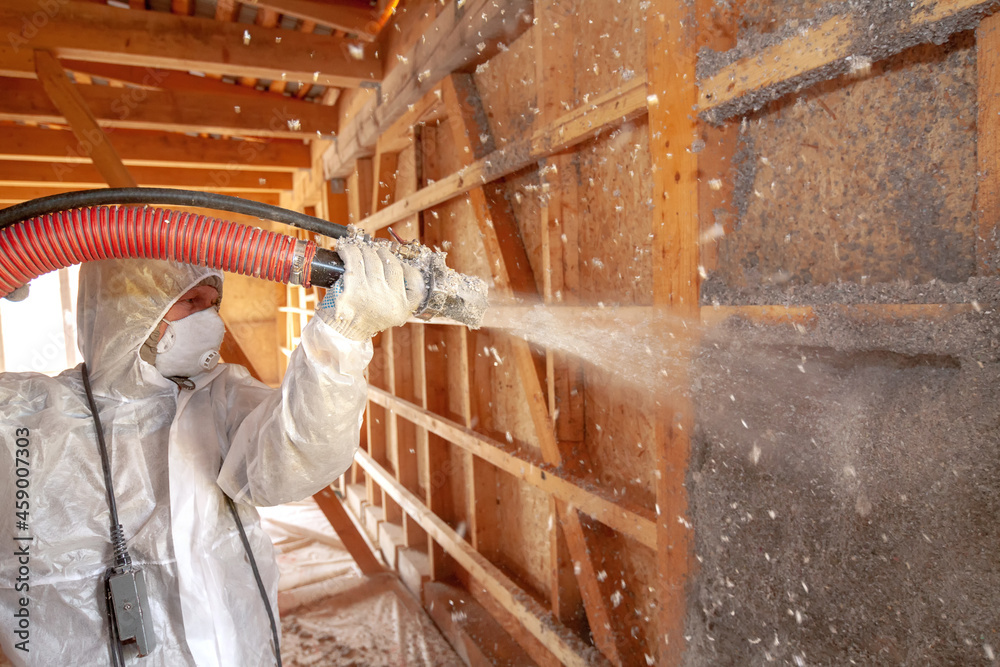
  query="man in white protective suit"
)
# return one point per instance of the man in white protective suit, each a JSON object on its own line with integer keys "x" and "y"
{"x": 178, "y": 447}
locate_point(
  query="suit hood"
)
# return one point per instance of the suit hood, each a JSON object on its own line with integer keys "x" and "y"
{"x": 120, "y": 303}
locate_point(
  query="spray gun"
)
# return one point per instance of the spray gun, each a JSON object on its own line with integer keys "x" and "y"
{"x": 449, "y": 294}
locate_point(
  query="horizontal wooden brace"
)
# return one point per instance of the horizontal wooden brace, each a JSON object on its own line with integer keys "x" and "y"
{"x": 141, "y": 148}
{"x": 637, "y": 524}
{"x": 567, "y": 648}
{"x": 136, "y": 108}
{"x": 578, "y": 125}
{"x": 85, "y": 176}
{"x": 870, "y": 313}
{"x": 826, "y": 50}
{"x": 98, "y": 33}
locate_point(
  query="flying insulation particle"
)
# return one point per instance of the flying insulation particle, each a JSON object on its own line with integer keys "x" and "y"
{"x": 652, "y": 100}
{"x": 602, "y": 575}
{"x": 294, "y": 124}
{"x": 236, "y": 109}
{"x": 715, "y": 184}
{"x": 616, "y": 599}
{"x": 755, "y": 454}
{"x": 315, "y": 77}
{"x": 650, "y": 660}
{"x": 277, "y": 40}
{"x": 356, "y": 51}
{"x": 246, "y": 38}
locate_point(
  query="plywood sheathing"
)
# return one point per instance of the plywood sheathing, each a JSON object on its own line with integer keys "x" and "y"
{"x": 869, "y": 179}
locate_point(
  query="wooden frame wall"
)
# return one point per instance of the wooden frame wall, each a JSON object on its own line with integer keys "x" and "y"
{"x": 664, "y": 95}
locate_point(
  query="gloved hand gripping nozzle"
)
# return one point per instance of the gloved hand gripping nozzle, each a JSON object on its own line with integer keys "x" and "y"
{"x": 447, "y": 293}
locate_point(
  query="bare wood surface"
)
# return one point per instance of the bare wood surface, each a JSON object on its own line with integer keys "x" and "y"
{"x": 139, "y": 148}
{"x": 539, "y": 622}
{"x": 348, "y": 532}
{"x": 66, "y": 98}
{"x": 96, "y": 33}
{"x": 670, "y": 53}
{"x": 359, "y": 22}
{"x": 17, "y": 195}
{"x": 826, "y": 50}
{"x": 25, "y": 100}
{"x": 988, "y": 144}
{"x": 633, "y": 522}
{"x": 452, "y": 42}
{"x": 83, "y": 176}
{"x": 606, "y": 111}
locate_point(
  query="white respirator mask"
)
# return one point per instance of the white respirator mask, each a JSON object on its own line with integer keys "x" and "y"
{"x": 190, "y": 346}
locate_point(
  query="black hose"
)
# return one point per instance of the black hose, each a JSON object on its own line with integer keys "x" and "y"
{"x": 168, "y": 197}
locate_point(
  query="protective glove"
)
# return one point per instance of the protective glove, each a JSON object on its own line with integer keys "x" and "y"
{"x": 377, "y": 291}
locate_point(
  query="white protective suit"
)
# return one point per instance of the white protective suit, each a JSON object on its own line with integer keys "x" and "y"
{"x": 173, "y": 455}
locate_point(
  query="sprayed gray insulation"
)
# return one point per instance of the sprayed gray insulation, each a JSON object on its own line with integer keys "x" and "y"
{"x": 845, "y": 486}
{"x": 845, "y": 478}
{"x": 880, "y": 28}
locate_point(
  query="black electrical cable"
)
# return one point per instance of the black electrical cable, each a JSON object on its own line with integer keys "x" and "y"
{"x": 275, "y": 637}
{"x": 166, "y": 197}
{"x": 122, "y": 558}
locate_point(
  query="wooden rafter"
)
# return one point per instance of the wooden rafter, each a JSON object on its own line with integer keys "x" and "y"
{"x": 25, "y": 100}
{"x": 41, "y": 174}
{"x": 451, "y": 43}
{"x": 96, "y": 33}
{"x": 16, "y": 195}
{"x": 826, "y": 50}
{"x": 161, "y": 79}
{"x": 156, "y": 149}
{"x": 358, "y": 22}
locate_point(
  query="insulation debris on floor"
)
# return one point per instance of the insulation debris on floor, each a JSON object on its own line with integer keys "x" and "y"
{"x": 331, "y": 614}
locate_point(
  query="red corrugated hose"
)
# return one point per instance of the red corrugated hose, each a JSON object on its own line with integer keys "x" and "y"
{"x": 57, "y": 240}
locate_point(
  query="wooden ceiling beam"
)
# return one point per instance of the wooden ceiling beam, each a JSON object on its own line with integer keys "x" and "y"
{"x": 157, "y": 149}
{"x": 359, "y": 22}
{"x": 96, "y": 33}
{"x": 39, "y": 174}
{"x": 16, "y": 195}
{"x": 164, "y": 79}
{"x": 133, "y": 108}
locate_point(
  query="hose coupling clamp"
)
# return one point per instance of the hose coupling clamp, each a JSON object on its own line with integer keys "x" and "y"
{"x": 298, "y": 263}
